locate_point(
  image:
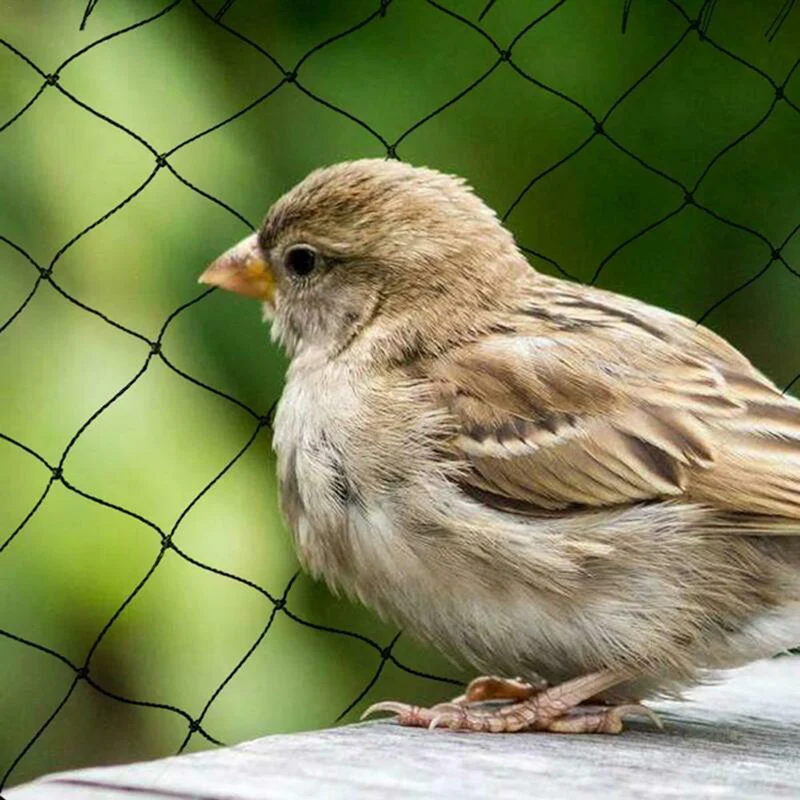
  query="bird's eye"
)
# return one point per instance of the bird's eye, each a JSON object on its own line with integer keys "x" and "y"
{"x": 301, "y": 259}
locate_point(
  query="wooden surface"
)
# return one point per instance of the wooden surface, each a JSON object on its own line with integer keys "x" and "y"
{"x": 739, "y": 739}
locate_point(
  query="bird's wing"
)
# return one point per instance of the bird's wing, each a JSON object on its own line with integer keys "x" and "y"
{"x": 604, "y": 402}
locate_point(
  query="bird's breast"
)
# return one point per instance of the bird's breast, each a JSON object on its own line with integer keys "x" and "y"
{"x": 338, "y": 528}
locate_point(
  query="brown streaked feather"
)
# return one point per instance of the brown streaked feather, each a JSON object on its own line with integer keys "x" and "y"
{"x": 553, "y": 414}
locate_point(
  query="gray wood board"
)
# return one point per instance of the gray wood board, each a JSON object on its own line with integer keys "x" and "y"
{"x": 737, "y": 739}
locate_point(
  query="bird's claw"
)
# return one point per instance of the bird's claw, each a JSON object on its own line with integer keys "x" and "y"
{"x": 454, "y": 716}
{"x": 443, "y": 714}
{"x": 635, "y": 709}
{"x": 406, "y": 714}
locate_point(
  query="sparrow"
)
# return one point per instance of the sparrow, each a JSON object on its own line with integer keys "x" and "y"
{"x": 540, "y": 478}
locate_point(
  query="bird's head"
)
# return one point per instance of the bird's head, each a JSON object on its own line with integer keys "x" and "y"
{"x": 367, "y": 245}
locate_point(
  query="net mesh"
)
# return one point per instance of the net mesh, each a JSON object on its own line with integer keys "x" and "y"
{"x": 496, "y": 56}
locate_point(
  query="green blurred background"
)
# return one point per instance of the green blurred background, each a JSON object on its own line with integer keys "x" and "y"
{"x": 73, "y": 564}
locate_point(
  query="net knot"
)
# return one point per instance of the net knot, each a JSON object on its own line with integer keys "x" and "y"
{"x": 161, "y": 161}
{"x": 52, "y": 79}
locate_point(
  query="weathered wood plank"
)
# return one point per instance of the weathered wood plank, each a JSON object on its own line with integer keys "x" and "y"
{"x": 740, "y": 739}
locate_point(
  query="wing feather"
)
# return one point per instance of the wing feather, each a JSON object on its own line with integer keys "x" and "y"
{"x": 597, "y": 410}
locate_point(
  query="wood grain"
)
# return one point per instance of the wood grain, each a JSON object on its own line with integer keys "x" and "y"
{"x": 738, "y": 739}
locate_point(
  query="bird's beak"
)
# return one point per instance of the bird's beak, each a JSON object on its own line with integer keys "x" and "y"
{"x": 242, "y": 269}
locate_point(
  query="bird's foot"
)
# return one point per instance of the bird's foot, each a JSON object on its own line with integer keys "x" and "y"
{"x": 600, "y": 719}
{"x": 557, "y": 709}
{"x": 480, "y": 690}
{"x": 491, "y": 687}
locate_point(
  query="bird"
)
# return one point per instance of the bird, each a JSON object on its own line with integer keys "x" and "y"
{"x": 590, "y": 500}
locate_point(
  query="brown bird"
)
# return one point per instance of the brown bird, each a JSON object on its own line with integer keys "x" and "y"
{"x": 541, "y": 478}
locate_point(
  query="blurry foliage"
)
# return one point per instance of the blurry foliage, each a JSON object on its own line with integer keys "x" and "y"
{"x": 152, "y": 451}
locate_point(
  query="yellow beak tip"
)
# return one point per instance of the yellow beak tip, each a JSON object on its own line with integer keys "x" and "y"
{"x": 242, "y": 269}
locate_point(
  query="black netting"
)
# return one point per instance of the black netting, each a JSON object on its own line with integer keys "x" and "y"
{"x": 684, "y": 194}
